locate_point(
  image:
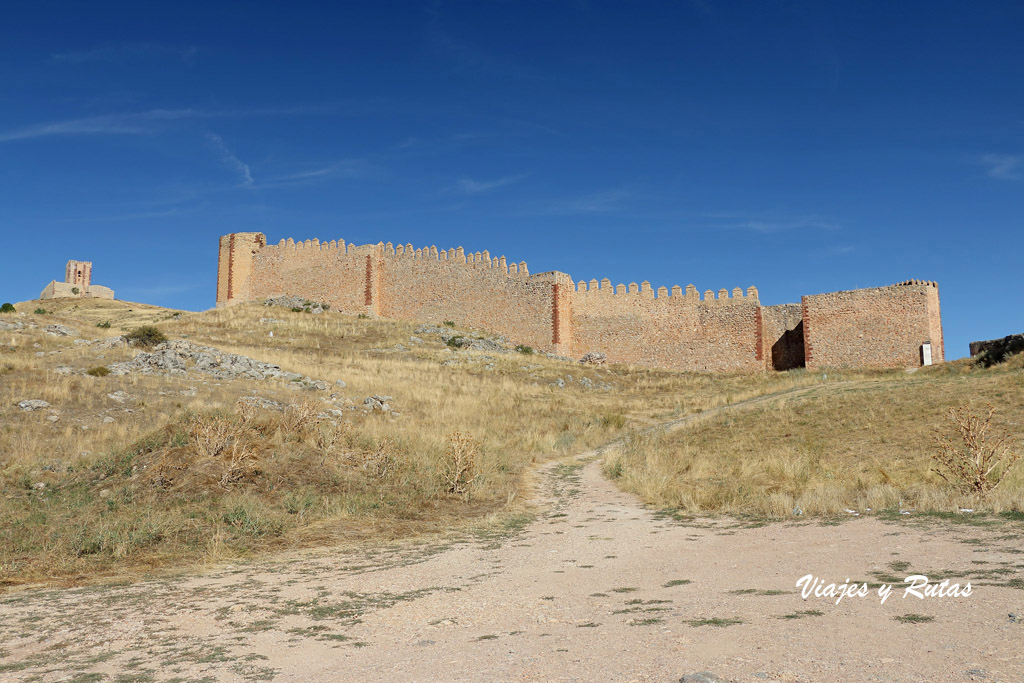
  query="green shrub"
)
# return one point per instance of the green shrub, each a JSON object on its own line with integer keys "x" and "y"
{"x": 105, "y": 324}
{"x": 98, "y": 371}
{"x": 7, "y": 308}
{"x": 527, "y": 350}
{"x": 449, "y": 323}
{"x": 362, "y": 316}
{"x": 145, "y": 336}
{"x": 297, "y": 309}
{"x": 40, "y": 311}
{"x": 75, "y": 290}
{"x": 458, "y": 342}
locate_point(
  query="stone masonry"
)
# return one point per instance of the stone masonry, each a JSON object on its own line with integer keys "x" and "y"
{"x": 676, "y": 329}
{"x": 77, "y": 283}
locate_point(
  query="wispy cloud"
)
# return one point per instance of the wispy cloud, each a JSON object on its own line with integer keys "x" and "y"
{"x": 598, "y": 202}
{"x": 1003, "y": 166}
{"x": 115, "y": 53}
{"x": 136, "y": 123}
{"x": 470, "y": 186}
{"x": 348, "y": 168}
{"x": 771, "y": 222}
{"x": 123, "y": 216}
{"x": 229, "y": 159}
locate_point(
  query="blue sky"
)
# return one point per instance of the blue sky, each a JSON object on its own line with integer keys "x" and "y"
{"x": 801, "y": 147}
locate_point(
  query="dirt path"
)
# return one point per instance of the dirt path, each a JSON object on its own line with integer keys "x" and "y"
{"x": 594, "y": 588}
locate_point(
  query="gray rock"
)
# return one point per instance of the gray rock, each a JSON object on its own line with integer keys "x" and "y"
{"x": 415, "y": 340}
{"x": 377, "y": 403}
{"x": 6, "y": 326}
{"x": 39, "y": 485}
{"x": 701, "y": 677}
{"x": 33, "y": 404}
{"x": 107, "y": 420}
{"x": 560, "y": 383}
{"x": 60, "y": 331}
{"x": 110, "y": 343}
{"x": 118, "y": 396}
{"x": 261, "y": 402}
{"x": 81, "y": 342}
{"x": 52, "y": 418}
{"x": 63, "y": 370}
{"x": 594, "y": 358}
{"x": 340, "y": 383}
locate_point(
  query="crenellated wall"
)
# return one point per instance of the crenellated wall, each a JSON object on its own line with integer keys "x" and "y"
{"x": 674, "y": 329}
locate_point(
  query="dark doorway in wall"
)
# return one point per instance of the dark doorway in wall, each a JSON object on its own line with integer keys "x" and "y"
{"x": 788, "y": 351}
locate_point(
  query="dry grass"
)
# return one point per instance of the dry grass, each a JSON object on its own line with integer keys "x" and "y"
{"x": 855, "y": 446}
{"x": 183, "y": 476}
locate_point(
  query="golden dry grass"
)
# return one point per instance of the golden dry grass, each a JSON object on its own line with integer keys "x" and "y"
{"x": 103, "y": 512}
{"x": 863, "y": 445}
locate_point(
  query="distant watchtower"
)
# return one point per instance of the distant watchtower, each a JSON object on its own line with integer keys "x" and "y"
{"x": 77, "y": 283}
{"x": 79, "y": 274}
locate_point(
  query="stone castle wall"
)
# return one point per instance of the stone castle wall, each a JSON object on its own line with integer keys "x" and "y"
{"x": 549, "y": 312}
{"x": 877, "y": 327}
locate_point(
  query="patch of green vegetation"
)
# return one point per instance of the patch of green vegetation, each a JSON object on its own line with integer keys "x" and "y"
{"x": 449, "y": 323}
{"x": 677, "y": 582}
{"x": 40, "y": 311}
{"x": 650, "y": 621}
{"x": 625, "y": 589}
{"x": 525, "y": 350}
{"x": 720, "y": 622}
{"x": 104, "y": 325}
{"x": 98, "y": 371}
{"x": 146, "y": 336}
{"x": 913, "y": 618}
{"x": 758, "y": 591}
{"x": 489, "y": 636}
{"x": 589, "y": 624}
{"x": 7, "y": 308}
{"x": 801, "y": 614}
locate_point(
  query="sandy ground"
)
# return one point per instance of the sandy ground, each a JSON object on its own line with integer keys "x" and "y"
{"x": 594, "y": 587}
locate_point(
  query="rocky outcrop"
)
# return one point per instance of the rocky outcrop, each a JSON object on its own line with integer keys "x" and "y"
{"x": 177, "y": 357}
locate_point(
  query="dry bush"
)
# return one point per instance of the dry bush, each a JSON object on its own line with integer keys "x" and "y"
{"x": 299, "y": 417}
{"x": 241, "y": 465}
{"x": 974, "y": 461}
{"x": 330, "y": 436}
{"x": 459, "y": 463}
{"x": 211, "y": 436}
{"x": 380, "y": 462}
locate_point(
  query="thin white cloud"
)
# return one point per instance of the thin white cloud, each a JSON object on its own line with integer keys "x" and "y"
{"x": 348, "y": 168}
{"x": 1003, "y": 166}
{"x": 136, "y": 123}
{"x": 598, "y": 202}
{"x": 771, "y": 227}
{"x": 770, "y": 222}
{"x": 115, "y": 53}
{"x": 229, "y": 159}
{"x": 470, "y": 186}
{"x": 111, "y": 124}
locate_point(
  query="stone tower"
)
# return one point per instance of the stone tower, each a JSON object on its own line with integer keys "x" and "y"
{"x": 78, "y": 274}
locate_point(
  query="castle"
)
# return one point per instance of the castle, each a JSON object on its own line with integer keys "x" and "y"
{"x": 894, "y": 326}
{"x": 77, "y": 283}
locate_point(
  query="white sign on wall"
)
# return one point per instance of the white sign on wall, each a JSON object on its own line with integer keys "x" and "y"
{"x": 926, "y": 353}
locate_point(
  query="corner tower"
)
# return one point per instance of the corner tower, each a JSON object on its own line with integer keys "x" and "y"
{"x": 234, "y": 265}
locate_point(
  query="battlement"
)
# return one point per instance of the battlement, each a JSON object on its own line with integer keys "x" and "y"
{"x": 633, "y": 323}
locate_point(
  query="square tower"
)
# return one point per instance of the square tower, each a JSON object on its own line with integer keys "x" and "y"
{"x": 79, "y": 274}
